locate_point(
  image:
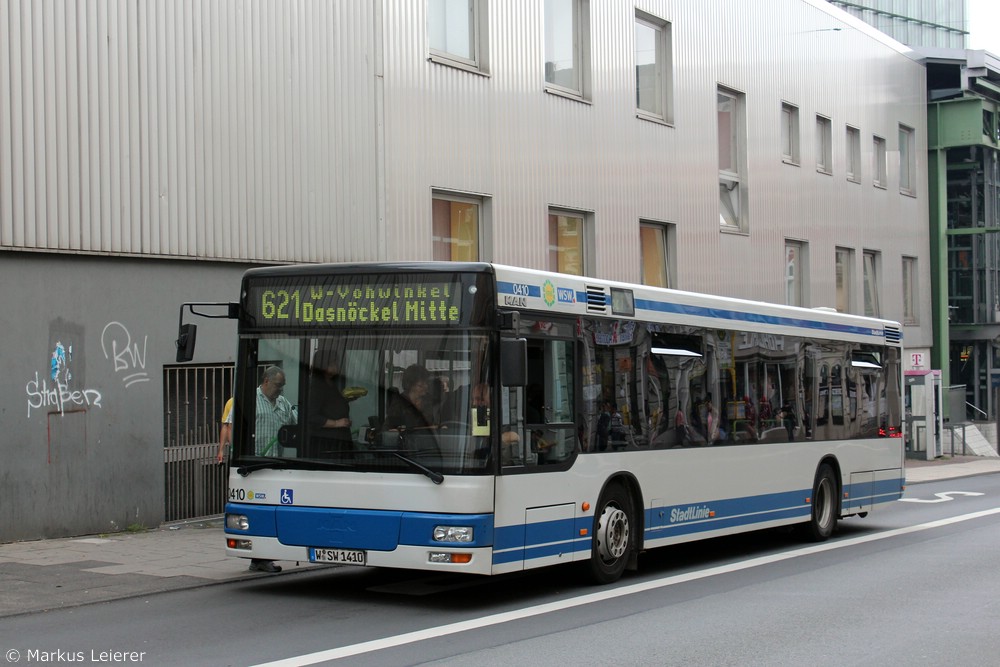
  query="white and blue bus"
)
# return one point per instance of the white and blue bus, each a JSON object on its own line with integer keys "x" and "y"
{"x": 479, "y": 418}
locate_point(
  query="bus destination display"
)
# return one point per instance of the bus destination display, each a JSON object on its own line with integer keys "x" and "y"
{"x": 350, "y": 302}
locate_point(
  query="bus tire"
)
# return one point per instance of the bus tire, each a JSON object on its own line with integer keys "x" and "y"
{"x": 824, "y": 510}
{"x": 613, "y": 539}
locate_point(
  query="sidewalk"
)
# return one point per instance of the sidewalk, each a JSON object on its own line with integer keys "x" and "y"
{"x": 68, "y": 572}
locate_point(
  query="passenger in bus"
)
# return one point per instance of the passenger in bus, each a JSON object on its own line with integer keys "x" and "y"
{"x": 617, "y": 433}
{"x": 414, "y": 407}
{"x": 788, "y": 420}
{"x": 442, "y": 398}
{"x": 534, "y": 404}
{"x": 604, "y": 426}
{"x": 328, "y": 415}
{"x": 273, "y": 412}
{"x": 711, "y": 421}
{"x": 681, "y": 430}
{"x": 695, "y": 422}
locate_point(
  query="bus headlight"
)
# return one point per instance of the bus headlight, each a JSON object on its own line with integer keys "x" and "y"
{"x": 237, "y": 522}
{"x": 453, "y": 533}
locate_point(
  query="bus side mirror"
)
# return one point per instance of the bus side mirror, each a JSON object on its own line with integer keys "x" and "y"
{"x": 185, "y": 342}
{"x": 513, "y": 362}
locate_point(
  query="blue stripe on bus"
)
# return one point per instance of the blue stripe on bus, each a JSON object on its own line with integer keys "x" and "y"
{"x": 549, "y": 538}
{"x": 383, "y": 530}
{"x": 375, "y": 530}
{"x": 651, "y": 305}
{"x": 756, "y": 318}
{"x": 524, "y": 289}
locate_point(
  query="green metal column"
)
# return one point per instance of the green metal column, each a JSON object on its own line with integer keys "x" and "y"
{"x": 937, "y": 185}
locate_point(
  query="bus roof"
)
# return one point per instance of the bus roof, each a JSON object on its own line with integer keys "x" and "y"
{"x": 557, "y": 293}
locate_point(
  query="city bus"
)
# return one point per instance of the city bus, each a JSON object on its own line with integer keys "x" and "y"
{"x": 485, "y": 419}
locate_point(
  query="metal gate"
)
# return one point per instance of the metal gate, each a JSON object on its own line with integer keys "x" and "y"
{"x": 195, "y": 483}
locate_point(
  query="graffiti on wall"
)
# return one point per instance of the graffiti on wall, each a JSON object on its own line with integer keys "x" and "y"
{"x": 55, "y": 392}
{"x": 125, "y": 354}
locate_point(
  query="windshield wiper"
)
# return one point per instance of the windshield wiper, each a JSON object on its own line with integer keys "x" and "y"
{"x": 435, "y": 477}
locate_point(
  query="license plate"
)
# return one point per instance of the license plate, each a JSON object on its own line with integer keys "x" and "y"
{"x": 345, "y": 556}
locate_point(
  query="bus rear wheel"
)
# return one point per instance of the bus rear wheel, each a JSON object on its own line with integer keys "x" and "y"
{"x": 823, "y": 517}
{"x": 612, "y": 541}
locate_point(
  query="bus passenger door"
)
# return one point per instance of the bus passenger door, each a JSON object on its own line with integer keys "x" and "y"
{"x": 539, "y": 427}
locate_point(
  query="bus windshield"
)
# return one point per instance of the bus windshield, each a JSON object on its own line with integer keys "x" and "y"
{"x": 400, "y": 401}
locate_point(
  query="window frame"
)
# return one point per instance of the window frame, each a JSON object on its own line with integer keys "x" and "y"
{"x": 907, "y": 161}
{"x": 730, "y": 180}
{"x": 844, "y": 279}
{"x": 880, "y": 176}
{"x": 483, "y": 241}
{"x": 853, "y": 153}
{"x": 580, "y": 29}
{"x": 790, "y": 134}
{"x": 910, "y": 291}
{"x": 586, "y": 244}
{"x": 824, "y": 144}
{"x": 478, "y": 36}
{"x": 666, "y": 241}
{"x": 797, "y": 273}
{"x": 871, "y": 261}
{"x": 663, "y": 74}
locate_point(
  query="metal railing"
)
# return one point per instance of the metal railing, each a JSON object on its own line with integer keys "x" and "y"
{"x": 970, "y": 405}
{"x": 194, "y": 481}
{"x": 195, "y": 484}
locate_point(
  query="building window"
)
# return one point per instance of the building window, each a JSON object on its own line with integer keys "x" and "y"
{"x": 457, "y": 229}
{"x": 907, "y": 161}
{"x": 789, "y": 133}
{"x": 568, "y": 243}
{"x": 456, "y": 34}
{"x": 653, "y": 68}
{"x": 795, "y": 273}
{"x": 657, "y": 244}
{"x": 878, "y": 162}
{"x": 871, "y": 280}
{"x": 824, "y": 145}
{"x": 732, "y": 160}
{"x": 567, "y": 46}
{"x": 845, "y": 278}
{"x": 909, "y": 290}
{"x": 853, "y": 154}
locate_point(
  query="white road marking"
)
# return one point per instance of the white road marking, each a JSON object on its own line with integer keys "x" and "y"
{"x": 590, "y": 598}
{"x": 942, "y": 497}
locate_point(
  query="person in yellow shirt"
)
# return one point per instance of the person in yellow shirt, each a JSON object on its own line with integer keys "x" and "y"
{"x": 226, "y": 431}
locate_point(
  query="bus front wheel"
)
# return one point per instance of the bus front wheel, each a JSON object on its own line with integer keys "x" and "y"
{"x": 612, "y": 542}
{"x": 823, "y": 516}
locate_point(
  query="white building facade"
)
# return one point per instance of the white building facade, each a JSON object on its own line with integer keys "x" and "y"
{"x": 151, "y": 150}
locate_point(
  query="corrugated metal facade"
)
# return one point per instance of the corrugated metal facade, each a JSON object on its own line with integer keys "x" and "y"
{"x": 226, "y": 130}
{"x": 310, "y": 130}
{"x": 527, "y": 150}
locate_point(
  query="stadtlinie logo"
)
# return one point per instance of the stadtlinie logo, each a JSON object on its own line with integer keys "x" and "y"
{"x": 691, "y": 513}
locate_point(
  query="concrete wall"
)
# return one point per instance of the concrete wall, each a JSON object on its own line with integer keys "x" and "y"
{"x": 82, "y": 439}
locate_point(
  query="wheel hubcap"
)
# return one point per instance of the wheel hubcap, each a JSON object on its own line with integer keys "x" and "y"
{"x": 612, "y": 533}
{"x": 824, "y": 508}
